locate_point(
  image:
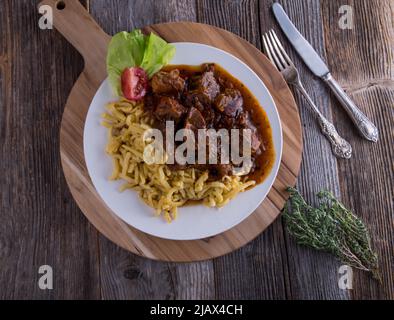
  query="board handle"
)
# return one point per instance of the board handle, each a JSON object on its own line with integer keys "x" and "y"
{"x": 75, "y": 23}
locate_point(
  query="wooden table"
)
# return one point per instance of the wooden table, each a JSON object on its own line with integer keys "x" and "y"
{"x": 41, "y": 224}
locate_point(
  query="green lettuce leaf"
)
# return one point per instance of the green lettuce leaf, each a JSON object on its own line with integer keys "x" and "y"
{"x": 133, "y": 49}
{"x": 158, "y": 53}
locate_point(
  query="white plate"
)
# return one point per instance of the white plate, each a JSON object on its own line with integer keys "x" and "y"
{"x": 196, "y": 221}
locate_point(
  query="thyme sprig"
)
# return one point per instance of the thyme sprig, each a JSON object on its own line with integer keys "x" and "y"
{"x": 332, "y": 228}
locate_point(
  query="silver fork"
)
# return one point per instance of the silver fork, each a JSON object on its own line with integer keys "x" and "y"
{"x": 278, "y": 56}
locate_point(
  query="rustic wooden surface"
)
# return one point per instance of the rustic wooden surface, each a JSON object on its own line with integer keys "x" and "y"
{"x": 41, "y": 224}
{"x": 92, "y": 44}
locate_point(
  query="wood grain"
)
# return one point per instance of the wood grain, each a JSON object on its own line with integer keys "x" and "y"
{"x": 367, "y": 181}
{"x": 41, "y": 223}
{"x": 313, "y": 274}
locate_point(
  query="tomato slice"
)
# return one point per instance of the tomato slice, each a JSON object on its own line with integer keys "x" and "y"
{"x": 134, "y": 83}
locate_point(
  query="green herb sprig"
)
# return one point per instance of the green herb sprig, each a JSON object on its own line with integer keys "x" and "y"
{"x": 332, "y": 228}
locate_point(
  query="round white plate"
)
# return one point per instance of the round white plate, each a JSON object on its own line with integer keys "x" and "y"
{"x": 196, "y": 221}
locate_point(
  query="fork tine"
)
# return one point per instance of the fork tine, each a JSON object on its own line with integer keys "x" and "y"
{"x": 277, "y": 50}
{"x": 267, "y": 51}
{"x": 273, "y": 53}
{"x": 279, "y": 44}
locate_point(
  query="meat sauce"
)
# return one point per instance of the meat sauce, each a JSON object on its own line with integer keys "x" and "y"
{"x": 207, "y": 96}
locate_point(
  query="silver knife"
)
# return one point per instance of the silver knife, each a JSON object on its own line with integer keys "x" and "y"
{"x": 320, "y": 69}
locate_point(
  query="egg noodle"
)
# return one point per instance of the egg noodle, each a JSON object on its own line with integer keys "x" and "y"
{"x": 159, "y": 187}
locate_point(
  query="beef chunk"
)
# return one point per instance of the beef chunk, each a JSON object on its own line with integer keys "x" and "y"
{"x": 208, "y": 85}
{"x": 167, "y": 82}
{"x": 224, "y": 82}
{"x": 169, "y": 109}
{"x": 227, "y": 122}
{"x": 244, "y": 120}
{"x": 229, "y": 102}
{"x": 194, "y": 120}
{"x": 205, "y": 87}
{"x": 245, "y": 123}
{"x": 192, "y": 100}
{"x": 256, "y": 142}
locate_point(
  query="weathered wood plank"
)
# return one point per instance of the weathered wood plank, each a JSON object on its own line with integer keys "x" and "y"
{"x": 239, "y": 17}
{"x": 365, "y": 67}
{"x": 270, "y": 267}
{"x": 259, "y": 270}
{"x": 117, "y": 15}
{"x": 194, "y": 280}
{"x": 40, "y": 222}
{"x": 124, "y": 275}
{"x": 313, "y": 275}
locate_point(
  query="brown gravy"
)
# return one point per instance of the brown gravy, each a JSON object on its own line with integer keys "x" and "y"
{"x": 265, "y": 160}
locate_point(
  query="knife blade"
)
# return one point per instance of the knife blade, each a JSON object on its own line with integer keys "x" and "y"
{"x": 367, "y": 129}
{"x": 300, "y": 44}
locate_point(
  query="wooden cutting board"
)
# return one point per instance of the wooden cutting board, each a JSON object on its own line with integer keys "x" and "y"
{"x": 78, "y": 27}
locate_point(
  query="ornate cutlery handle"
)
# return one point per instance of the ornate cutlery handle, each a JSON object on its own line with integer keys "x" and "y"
{"x": 340, "y": 147}
{"x": 363, "y": 124}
